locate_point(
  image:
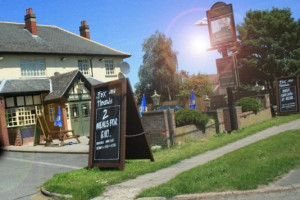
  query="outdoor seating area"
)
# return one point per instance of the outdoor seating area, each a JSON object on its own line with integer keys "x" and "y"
{"x": 49, "y": 135}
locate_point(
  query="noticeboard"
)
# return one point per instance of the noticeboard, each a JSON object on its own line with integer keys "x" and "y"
{"x": 227, "y": 72}
{"x": 113, "y": 108}
{"x": 288, "y": 94}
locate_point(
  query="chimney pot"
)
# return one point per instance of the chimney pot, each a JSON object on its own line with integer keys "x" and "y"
{"x": 29, "y": 10}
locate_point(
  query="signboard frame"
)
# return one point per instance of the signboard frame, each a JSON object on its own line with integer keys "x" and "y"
{"x": 120, "y": 87}
{"x": 288, "y": 89}
{"x": 227, "y": 65}
{"x": 123, "y": 134}
{"x": 220, "y": 21}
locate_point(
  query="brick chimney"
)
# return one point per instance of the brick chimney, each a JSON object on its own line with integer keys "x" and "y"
{"x": 84, "y": 30}
{"x": 30, "y": 21}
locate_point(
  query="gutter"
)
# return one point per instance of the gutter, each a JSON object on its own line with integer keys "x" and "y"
{"x": 91, "y": 64}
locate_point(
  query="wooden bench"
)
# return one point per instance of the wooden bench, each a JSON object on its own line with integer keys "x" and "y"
{"x": 61, "y": 135}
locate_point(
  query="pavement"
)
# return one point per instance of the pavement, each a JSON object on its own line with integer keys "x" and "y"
{"x": 70, "y": 146}
{"x": 129, "y": 189}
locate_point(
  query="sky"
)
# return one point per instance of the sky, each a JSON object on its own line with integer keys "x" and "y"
{"x": 126, "y": 24}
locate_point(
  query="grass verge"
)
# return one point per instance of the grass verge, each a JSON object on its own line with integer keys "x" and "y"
{"x": 85, "y": 184}
{"x": 243, "y": 169}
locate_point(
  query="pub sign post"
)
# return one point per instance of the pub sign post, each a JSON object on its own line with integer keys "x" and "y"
{"x": 222, "y": 36}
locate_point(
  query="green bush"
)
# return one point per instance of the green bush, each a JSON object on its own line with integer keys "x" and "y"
{"x": 187, "y": 116}
{"x": 248, "y": 104}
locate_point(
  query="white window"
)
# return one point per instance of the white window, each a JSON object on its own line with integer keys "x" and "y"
{"x": 10, "y": 102}
{"x": 37, "y": 99}
{"x": 20, "y": 101}
{"x": 51, "y": 112}
{"x": 22, "y": 116}
{"x": 29, "y": 100}
{"x": 109, "y": 66}
{"x": 83, "y": 67}
{"x": 32, "y": 67}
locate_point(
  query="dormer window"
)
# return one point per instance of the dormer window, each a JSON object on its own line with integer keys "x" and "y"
{"x": 32, "y": 67}
{"x": 83, "y": 67}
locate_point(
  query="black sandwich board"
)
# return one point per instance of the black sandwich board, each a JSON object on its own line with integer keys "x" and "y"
{"x": 116, "y": 129}
{"x": 288, "y": 94}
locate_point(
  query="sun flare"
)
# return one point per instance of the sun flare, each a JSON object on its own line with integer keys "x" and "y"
{"x": 199, "y": 44}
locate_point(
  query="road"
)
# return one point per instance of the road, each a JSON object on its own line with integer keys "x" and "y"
{"x": 22, "y": 173}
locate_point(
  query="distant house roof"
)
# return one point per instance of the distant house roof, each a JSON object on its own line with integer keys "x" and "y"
{"x": 14, "y": 38}
{"x": 57, "y": 86}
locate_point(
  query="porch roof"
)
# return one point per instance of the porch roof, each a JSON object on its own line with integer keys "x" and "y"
{"x": 24, "y": 86}
{"x": 62, "y": 83}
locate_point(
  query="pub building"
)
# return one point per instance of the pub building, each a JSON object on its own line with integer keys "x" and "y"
{"x": 22, "y": 100}
{"x": 43, "y": 67}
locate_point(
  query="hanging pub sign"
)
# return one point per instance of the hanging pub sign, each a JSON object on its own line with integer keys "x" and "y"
{"x": 116, "y": 129}
{"x": 228, "y": 76}
{"x": 288, "y": 95}
{"x": 221, "y": 25}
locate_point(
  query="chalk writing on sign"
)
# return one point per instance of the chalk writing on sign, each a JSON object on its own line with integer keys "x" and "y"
{"x": 107, "y": 125}
{"x": 287, "y": 95}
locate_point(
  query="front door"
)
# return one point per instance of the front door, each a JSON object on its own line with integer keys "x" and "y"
{"x": 80, "y": 117}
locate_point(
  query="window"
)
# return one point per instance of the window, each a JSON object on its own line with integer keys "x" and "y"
{"x": 67, "y": 111}
{"x": 37, "y": 99}
{"x": 29, "y": 100}
{"x": 20, "y": 101}
{"x": 10, "y": 102}
{"x": 22, "y": 116}
{"x": 109, "y": 66}
{"x": 85, "y": 110}
{"x": 83, "y": 67}
{"x": 22, "y": 110}
{"x": 74, "y": 111}
{"x": 51, "y": 112}
{"x": 32, "y": 67}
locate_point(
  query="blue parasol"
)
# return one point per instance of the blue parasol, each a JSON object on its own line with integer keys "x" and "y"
{"x": 192, "y": 101}
{"x": 58, "y": 120}
{"x": 143, "y": 107}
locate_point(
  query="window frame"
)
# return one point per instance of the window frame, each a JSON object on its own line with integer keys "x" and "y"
{"x": 51, "y": 111}
{"x": 36, "y": 101}
{"x": 22, "y": 116}
{"x": 83, "y": 66}
{"x": 110, "y": 67}
{"x": 32, "y": 67}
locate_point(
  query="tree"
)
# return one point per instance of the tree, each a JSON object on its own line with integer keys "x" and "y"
{"x": 269, "y": 46}
{"x": 158, "y": 71}
{"x": 199, "y": 83}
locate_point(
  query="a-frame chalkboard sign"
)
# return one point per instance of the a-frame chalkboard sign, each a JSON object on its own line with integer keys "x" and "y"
{"x": 288, "y": 94}
{"x": 116, "y": 129}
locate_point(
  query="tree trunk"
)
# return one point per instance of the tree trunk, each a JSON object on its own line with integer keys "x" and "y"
{"x": 169, "y": 93}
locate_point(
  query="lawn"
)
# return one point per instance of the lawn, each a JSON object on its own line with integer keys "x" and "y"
{"x": 85, "y": 184}
{"x": 244, "y": 169}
